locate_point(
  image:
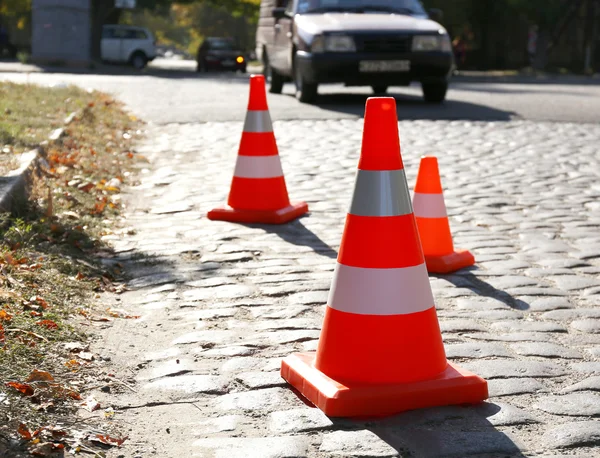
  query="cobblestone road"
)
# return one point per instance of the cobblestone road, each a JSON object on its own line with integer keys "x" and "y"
{"x": 223, "y": 303}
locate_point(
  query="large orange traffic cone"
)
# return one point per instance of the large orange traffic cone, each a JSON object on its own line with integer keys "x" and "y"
{"x": 380, "y": 350}
{"x": 258, "y": 192}
{"x": 433, "y": 224}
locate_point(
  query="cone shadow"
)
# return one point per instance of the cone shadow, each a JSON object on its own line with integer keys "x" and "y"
{"x": 468, "y": 280}
{"x": 298, "y": 234}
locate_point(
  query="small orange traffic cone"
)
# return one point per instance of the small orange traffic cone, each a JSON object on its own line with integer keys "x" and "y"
{"x": 258, "y": 192}
{"x": 433, "y": 224}
{"x": 380, "y": 350}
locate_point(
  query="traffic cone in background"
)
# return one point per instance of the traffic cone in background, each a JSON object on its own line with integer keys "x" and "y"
{"x": 258, "y": 192}
{"x": 433, "y": 224}
{"x": 380, "y": 350}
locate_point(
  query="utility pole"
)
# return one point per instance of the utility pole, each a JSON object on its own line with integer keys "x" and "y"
{"x": 590, "y": 35}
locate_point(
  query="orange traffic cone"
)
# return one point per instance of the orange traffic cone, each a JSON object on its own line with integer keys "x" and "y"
{"x": 381, "y": 349}
{"x": 433, "y": 224}
{"x": 258, "y": 192}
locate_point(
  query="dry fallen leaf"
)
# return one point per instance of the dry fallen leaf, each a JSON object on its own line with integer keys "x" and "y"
{"x": 24, "y": 432}
{"x": 90, "y": 404}
{"x": 5, "y": 316}
{"x": 49, "y": 324}
{"x": 39, "y": 376}
{"x": 107, "y": 440}
{"x": 23, "y": 388}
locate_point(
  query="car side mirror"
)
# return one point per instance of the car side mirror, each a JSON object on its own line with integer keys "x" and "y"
{"x": 279, "y": 13}
{"x": 436, "y": 14}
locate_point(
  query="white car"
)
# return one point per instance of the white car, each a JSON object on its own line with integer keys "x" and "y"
{"x": 127, "y": 44}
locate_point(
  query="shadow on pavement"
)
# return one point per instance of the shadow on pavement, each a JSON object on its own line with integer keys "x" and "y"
{"x": 468, "y": 280}
{"x": 453, "y": 431}
{"x": 412, "y": 107}
{"x": 298, "y": 234}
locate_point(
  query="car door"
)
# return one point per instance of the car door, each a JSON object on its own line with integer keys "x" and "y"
{"x": 283, "y": 40}
{"x": 110, "y": 44}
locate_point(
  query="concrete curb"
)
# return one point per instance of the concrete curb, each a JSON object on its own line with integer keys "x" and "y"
{"x": 15, "y": 187}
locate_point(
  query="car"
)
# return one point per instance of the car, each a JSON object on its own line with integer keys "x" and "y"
{"x": 127, "y": 44}
{"x": 220, "y": 54}
{"x": 377, "y": 43}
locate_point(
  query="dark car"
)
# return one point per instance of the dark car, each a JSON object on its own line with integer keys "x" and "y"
{"x": 220, "y": 54}
{"x": 377, "y": 43}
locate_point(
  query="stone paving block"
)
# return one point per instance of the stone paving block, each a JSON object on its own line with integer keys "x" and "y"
{"x": 513, "y": 337}
{"x": 512, "y": 386}
{"x": 574, "y": 404}
{"x": 588, "y": 325}
{"x": 588, "y": 384}
{"x": 574, "y": 282}
{"x": 566, "y": 315}
{"x": 502, "y": 414}
{"x": 264, "y": 447}
{"x": 459, "y": 444}
{"x": 298, "y": 420}
{"x": 575, "y": 434}
{"x": 476, "y": 350}
{"x": 188, "y": 386}
{"x": 586, "y": 367}
{"x": 199, "y": 337}
{"x": 264, "y": 400}
{"x": 460, "y": 325}
{"x": 500, "y": 368}
{"x": 548, "y": 350}
{"x": 549, "y": 303}
{"x": 356, "y": 444}
{"x": 481, "y": 304}
{"x": 530, "y": 326}
{"x": 254, "y": 380}
{"x": 218, "y": 292}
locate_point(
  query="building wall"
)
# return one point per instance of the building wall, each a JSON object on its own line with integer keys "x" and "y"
{"x": 61, "y": 32}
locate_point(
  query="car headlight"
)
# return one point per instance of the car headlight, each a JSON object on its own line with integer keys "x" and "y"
{"x": 439, "y": 42}
{"x": 333, "y": 43}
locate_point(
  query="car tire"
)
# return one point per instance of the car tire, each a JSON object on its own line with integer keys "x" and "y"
{"x": 139, "y": 60}
{"x": 271, "y": 75}
{"x": 435, "y": 92}
{"x": 379, "y": 89}
{"x": 305, "y": 92}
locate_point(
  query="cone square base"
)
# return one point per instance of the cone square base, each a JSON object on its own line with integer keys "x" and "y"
{"x": 449, "y": 262}
{"x": 453, "y": 386}
{"x": 280, "y": 216}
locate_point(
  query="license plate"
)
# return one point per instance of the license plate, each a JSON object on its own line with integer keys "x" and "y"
{"x": 228, "y": 63}
{"x": 384, "y": 66}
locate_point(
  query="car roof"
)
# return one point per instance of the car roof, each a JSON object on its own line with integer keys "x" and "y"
{"x": 120, "y": 26}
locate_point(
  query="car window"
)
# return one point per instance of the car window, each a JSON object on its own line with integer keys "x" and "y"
{"x": 108, "y": 32}
{"x": 226, "y": 45}
{"x": 289, "y": 9}
{"x": 392, "y": 6}
{"x": 133, "y": 34}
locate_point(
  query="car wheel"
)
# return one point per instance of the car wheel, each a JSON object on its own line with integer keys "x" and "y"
{"x": 271, "y": 75}
{"x": 379, "y": 89}
{"x": 435, "y": 92}
{"x": 139, "y": 60}
{"x": 305, "y": 92}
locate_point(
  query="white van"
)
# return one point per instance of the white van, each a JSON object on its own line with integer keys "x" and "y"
{"x": 126, "y": 44}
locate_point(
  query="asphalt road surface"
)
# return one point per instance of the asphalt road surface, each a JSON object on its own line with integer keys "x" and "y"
{"x": 184, "y": 97}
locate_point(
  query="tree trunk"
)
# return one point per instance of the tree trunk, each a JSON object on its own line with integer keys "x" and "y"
{"x": 103, "y": 12}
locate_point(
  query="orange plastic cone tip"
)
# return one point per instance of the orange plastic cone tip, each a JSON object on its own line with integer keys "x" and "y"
{"x": 380, "y": 351}
{"x": 453, "y": 386}
{"x": 258, "y": 192}
{"x": 432, "y": 221}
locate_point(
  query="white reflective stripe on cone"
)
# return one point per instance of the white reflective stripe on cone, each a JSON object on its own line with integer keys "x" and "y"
{"x": 380, "y": 291}
{"x": 429, "y": 205}
{"x": 258, "y": 167}
{"x": 258, "y": 121}
{"x": 380, "y": 193}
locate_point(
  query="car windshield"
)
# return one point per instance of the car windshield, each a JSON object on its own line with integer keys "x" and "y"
{"x": 411, "y": 7}
{"x": 226, "y": 45}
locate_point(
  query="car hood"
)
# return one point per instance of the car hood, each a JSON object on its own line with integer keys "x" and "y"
{"x": 346, "y": 22}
